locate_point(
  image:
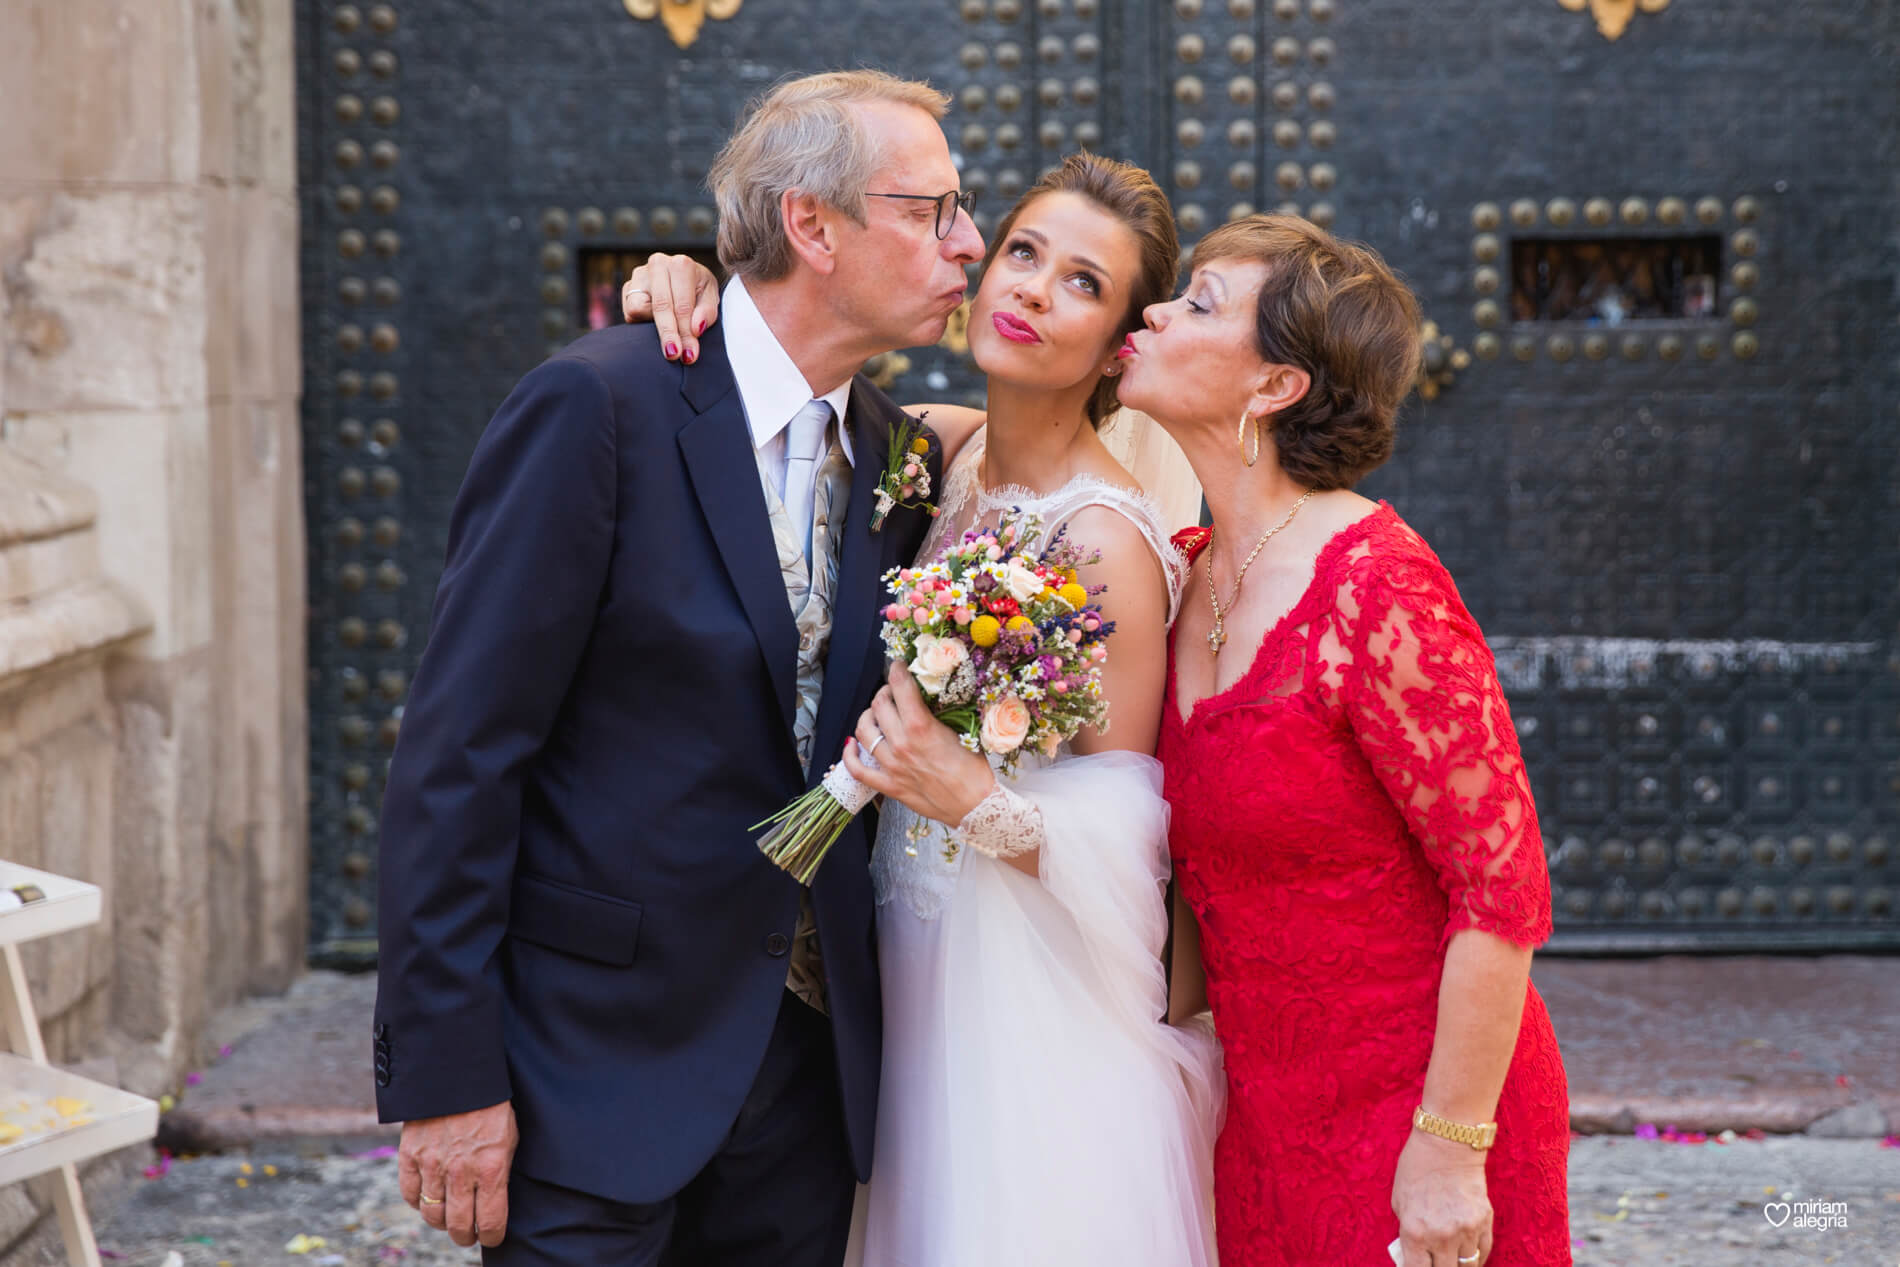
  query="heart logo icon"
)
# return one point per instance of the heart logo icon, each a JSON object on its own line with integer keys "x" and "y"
{"x": 1776, "y": 1212}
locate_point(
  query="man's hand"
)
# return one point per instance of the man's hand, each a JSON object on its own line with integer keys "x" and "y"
{"x": 454, "y": 1170}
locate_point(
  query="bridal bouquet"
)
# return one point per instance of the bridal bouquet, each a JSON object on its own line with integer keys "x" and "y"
{"x": 1006, "y": 647}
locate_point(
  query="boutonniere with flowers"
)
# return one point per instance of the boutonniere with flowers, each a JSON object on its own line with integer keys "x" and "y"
{"x": 906, "y": 479}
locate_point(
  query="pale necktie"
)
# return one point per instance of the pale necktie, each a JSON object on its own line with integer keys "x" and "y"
{"x": 804, "y": 449}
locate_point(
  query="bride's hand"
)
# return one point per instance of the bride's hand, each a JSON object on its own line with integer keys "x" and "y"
{"x": 921, "y": 762}
{"x": 679, "y": 296}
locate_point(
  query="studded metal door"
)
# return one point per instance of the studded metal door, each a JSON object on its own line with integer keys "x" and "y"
{"x": 1677, "y": 520}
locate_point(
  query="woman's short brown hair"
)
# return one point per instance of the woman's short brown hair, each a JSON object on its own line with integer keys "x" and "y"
{"x": 1130, "y": 195}
{"x": 1336, "y": 310}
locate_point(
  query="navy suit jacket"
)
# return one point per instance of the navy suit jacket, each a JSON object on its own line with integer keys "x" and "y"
{"x": 574, "y": 914}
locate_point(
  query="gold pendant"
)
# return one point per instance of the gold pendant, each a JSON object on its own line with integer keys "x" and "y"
{"x": 1216, "y": 639}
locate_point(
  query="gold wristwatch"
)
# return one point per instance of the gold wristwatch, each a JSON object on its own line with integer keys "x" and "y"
{"x": 1479, "y": 1137}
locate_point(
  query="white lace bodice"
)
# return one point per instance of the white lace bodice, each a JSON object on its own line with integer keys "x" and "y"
{"x": 915, "y": 859}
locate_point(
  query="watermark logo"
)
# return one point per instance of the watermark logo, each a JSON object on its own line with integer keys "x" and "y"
{"x": 1815, "y": 1214}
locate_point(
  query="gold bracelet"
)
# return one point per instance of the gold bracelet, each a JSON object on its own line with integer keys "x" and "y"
{"x": 1479, "y": 1137}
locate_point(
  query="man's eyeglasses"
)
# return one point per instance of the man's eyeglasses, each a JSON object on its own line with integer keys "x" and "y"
{"x": 947, "y": 207}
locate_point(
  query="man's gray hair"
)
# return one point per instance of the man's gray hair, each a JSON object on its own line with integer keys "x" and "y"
{"x": 802, "y": 135}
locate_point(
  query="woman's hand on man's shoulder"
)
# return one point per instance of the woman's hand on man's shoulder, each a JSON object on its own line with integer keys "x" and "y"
{"x": 679, "y": 295}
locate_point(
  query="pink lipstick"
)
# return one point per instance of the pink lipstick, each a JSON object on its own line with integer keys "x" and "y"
{"x": 1014, "y": 328}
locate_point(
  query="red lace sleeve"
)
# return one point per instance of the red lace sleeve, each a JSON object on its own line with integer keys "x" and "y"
{"x": 1420, "y": 688}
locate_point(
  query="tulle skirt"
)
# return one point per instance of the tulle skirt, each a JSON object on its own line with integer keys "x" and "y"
{"x": 1035, "y": 1107}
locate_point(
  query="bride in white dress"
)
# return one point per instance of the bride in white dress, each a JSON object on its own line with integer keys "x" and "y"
{"x": 1035, "y": 1106}
{"x": 1036, "y": 1109}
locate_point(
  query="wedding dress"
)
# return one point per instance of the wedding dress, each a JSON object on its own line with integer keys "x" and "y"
{"x": 1035, "y": 1109}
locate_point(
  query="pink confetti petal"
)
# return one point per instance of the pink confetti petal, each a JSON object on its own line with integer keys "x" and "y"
{"x": 1892, "y": 1141}
{"x": 194, "y": 1078}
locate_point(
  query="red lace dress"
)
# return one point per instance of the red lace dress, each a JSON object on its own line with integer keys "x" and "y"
{"x": 1338, "y": 813}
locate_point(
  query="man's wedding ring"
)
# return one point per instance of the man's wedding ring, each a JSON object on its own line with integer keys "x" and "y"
{"x": 872, "y": 750}
{"x": 441, "y": 1200}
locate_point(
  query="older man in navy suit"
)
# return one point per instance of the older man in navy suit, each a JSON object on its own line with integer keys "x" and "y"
{"x": 613, "y": 1031}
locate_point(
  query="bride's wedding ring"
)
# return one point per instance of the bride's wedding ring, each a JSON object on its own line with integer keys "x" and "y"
{"x": 630, "y": 290}
{"x": 1474, "y": 1258}
{"x": 872, "y": 750}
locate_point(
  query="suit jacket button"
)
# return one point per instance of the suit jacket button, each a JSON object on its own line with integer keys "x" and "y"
{"x": 777, "y": 944}
{"x": 382, "y": 1077}
{"x": 382, "y": 1030}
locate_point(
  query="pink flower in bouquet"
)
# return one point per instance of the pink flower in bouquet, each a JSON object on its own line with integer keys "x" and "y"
{"x": 1005, "y": 725}
{"x": 936, "y": 659}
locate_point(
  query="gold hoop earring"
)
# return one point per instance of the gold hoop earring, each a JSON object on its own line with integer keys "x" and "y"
{"x": 1249, "y": 454}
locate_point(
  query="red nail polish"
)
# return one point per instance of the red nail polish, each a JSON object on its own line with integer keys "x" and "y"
{"x": 692, "y": 354}
{"x": 672, "y": 350}
{"x": 699, "y": 329}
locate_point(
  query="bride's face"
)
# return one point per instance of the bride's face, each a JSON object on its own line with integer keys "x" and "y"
{"x": 1050, "y": 309}
{"x": 1197, "y": 363}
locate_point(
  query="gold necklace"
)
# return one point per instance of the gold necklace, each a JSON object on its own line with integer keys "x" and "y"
{"x": 1217, "y": 636}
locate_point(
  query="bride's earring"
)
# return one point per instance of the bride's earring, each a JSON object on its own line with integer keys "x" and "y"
{"x": 1249, "y": 453}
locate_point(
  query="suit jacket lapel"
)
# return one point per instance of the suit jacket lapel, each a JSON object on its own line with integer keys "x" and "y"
{"x": 717, "y": 448}
{"x": 856, "y": 612}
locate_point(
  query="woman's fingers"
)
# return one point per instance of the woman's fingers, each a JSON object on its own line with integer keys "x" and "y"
{"x": 705, "y": 303}
{"x": 908, "y": 697}
{"x": 636, "y": 297}
{"x": 666, "y": 321}
{"x": 878, "y": 781}
{"x": 867, "y": 733}
{"x": 889, "y": 721}
{"x": 682, "y": 284}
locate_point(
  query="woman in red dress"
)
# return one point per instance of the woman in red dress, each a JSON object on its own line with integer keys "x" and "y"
{"x": 1351, "y": 819}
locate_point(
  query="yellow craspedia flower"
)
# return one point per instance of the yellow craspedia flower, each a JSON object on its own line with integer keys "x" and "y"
{"x": 985, "y": 630}
{"x": 1072, "y": 576}
{"x": 920, "y": 445}
{"x": 1074, "y": 595}
{"x": 1019, "y": 623}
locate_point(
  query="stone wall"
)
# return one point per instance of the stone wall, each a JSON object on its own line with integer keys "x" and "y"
{"x": 152, "y": 719}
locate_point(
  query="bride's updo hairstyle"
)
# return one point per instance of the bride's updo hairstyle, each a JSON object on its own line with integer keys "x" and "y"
{"x": 1130, "y": 195}
{"x": 1336, "y": 310}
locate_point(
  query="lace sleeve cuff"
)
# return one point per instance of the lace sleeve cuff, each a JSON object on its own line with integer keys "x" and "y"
{"x": 1004, "y": 824}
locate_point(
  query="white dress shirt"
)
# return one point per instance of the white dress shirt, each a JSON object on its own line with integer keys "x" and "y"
{"x": 770, "y": 386}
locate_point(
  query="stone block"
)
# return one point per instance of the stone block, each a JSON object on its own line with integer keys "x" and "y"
{"x": 223, "y": 264}
{"x": 270, "y": 315}
{"x": 20, "y": 809}
{"x": 214, "y": 32}
{"x": 1864, "y": 1120}
{"x": 161, "y": 797}
{"x": 98, "y": 90}
{"x": 155, "y": 534}
{"x": 107, "y": 301}
{"x": 264, "y": 88}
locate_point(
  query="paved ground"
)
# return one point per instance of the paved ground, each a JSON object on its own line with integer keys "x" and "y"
{"x": 1778, "y": 1044}
{"x": 1736, "y": 1042}
{"x": 1634, "y": 1203}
